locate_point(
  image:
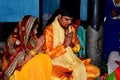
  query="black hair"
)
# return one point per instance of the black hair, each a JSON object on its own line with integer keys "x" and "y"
{"x": 66, "y": 12}
{"x": 39, "y": 29}
{"x": 62, "y": 12}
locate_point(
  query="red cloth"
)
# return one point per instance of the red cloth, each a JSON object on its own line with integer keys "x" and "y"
{"x": 117, "y": 73}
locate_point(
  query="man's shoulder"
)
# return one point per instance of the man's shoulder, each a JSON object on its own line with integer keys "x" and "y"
{"x": 48, "y": 27}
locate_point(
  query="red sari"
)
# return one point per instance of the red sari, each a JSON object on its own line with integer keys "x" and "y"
{"x": 18, "y": 44}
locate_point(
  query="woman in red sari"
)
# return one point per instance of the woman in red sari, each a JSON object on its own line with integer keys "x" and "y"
{"x": 21, "y": 46}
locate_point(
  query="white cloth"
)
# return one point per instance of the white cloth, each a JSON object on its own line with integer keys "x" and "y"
{"x": 112, "y": 65}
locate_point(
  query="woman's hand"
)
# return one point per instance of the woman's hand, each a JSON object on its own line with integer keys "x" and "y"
{"x": 39, "y": 43}
{"x": 23, "y": 61}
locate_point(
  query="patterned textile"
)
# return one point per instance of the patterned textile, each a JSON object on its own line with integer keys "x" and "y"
{"x": 18, "y": 43}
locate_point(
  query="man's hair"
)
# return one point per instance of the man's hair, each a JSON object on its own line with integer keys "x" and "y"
{"x": 63, "y": 12}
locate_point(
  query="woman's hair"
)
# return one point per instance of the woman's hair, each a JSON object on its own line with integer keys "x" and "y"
{"x": 62, "y": 12}
{"x": 39, "y": 29}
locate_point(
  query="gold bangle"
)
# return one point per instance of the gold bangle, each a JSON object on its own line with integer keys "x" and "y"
{"x": 32, "y": 52}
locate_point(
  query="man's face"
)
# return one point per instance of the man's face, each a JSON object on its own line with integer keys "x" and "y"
{"x": 64, "y": 21}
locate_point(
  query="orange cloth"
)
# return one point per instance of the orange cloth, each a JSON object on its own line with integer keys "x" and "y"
{"x": 92, "y": 71}
{"x": 38, "y": 68}
{"x": 54, "y": 40}
{"x": 48, "y": 47}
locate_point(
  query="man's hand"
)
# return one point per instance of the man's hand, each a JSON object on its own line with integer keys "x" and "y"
{"x": 68, "y": 39}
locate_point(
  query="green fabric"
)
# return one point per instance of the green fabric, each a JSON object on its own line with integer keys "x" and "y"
{"x": 111, "y": 76}
{"x": 81, "y": 34}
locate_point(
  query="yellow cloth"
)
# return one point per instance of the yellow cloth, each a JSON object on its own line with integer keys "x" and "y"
{"x": 60, "y": 55}
{"x": 38, "y": 68}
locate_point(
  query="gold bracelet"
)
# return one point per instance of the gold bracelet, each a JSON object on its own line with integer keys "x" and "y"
{"x": 32, "y": 52}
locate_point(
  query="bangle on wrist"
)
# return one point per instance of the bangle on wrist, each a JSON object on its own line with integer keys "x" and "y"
{"x": 32, "y": 52}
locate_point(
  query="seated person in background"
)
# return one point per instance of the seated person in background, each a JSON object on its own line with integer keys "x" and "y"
{"x": 60, "y": 44}
{"x": 81, "y": 34}
{"x": 18, "y": 62}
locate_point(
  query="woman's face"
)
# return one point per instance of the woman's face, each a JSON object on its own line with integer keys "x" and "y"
{"x": 64, "y": 21}
{"x": 33, "y": 32}
{"x": 35, "y": 29}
